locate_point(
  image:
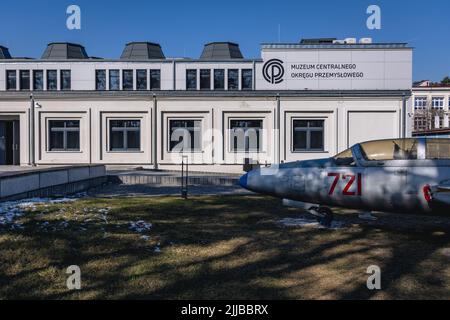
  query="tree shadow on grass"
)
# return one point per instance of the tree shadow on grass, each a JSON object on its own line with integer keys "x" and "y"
{"x": 225, "y": 248}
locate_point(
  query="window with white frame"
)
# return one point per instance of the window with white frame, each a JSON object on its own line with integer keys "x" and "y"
{"x": 185, "y": 135}
{"x": 64, "y": 135}
{"x": 308, "y": 135}
{"x": 246, "y": 135}
{"x": 420, "y": 103}
{"x": 437, "y": 102}
{"x": 124, "y": 135}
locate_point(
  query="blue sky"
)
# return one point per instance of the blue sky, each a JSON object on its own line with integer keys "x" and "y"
{"x": 182, "y": 27}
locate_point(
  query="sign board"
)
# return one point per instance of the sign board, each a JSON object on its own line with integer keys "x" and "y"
{"x": 335, "y": 69}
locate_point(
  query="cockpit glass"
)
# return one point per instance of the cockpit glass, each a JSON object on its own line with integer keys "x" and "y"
{"x": 386, "y": 150}
{"x": 345, "y": 158}
{"x": 438, "y": 149}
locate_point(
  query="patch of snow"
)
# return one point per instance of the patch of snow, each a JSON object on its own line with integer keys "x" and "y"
{"x": 10, "y": 211}
{"x": 309, "y": 223}
{"x": 140, "y": 226}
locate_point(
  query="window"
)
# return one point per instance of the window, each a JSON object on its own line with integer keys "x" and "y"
{"x": 24, "y": 79}
{"x": 66, "y": 80}
{"x": 100, "y": 80}
{"x": 125, "y": 135}
{"x": 128, "y": 83}
{"x": 437, "y": 103}
{"x": 219, "y": 79}
{"x": 247, "y": 79}
{"x": 185, "y": 136}
{"x": 420, "y": 123}
{"x": 114, "y": 80}
{"x": 64, "y": 135}
{"x": 38, "y": 80}
{"x": 438, "y": 149}
{"x": 246, "y": 135}
{"x": 233, "y": 79}
{"x": 205, "y": 79}
{"x": 155, "y": 79}
{"x": 141, "y": 79}
{"x": 308, "y": 135}
{"x": 191, "y": 79}
{"x": 420, "y": 103}
{"x": 52, "y": 80}
{"x": 11, "y": 80}
{"x": 386, "y": 150}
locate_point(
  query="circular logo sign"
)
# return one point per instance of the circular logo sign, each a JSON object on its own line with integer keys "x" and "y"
{"x": 273, "y": 71}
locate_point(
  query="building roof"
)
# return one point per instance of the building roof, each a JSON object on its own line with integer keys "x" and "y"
{"x": 4, "y": 53}
{"x": 335, "y": 46}
{"x": 64, "y": 51}
{"x": 142, "y": 51}
{"x": 221, "y": 51}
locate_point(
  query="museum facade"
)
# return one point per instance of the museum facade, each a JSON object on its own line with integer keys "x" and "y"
{"x": 298, "y": 101}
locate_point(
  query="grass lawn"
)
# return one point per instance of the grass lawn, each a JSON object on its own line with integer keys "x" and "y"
{"x": 223, "y": 247}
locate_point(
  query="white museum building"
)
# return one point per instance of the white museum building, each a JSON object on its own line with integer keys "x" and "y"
{"x": 298, "y": 101}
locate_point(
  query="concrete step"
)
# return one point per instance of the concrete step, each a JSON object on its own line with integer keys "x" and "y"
{"x": 171, "y": 180}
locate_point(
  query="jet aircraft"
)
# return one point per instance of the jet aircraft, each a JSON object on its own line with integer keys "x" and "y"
{"x": 395, "y": 175}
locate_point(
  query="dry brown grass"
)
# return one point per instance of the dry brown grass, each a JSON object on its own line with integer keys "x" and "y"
{"x": 218, "y": 248}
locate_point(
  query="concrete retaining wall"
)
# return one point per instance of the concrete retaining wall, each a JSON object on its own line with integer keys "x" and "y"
{"x": 51, "y": 182}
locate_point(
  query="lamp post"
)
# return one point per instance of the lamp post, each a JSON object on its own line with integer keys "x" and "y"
{"x": 32, "y": 160}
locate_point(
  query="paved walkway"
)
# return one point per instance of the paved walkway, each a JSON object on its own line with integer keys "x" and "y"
{"x": 123, "y": 190}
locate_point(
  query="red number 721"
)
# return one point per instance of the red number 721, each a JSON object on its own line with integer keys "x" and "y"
{"x": 351, "y": 180}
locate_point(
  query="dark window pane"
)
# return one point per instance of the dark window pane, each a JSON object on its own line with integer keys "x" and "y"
{"x": 24, "y": 80}
{"x": 128, "y": 80}
{"x": 52, "y": 80}
{"x": 155, "y": 79}
{"x": 38, "y": 80}
{"x": 300, "y": 142}
{"x": 205, "y": 79}
{"x": 316, "y": 140}
{"x": 141, "y": 79}
{"x": 73, "y": 140}
{"x": 134, "y": 139}
{"x": 233, "y": 79}
{"x": 247, "y": 79}
{"x": 56, "y": 140}
{"x": 100, "y": 80}
{"x": 11, "y": 80}
{"x": 117, "y": 140}
{"x": 191, "y": 79}
{"x": 219, "y": 79}
{"x": 114, "y": 80}
{"x": 66, "y": 80}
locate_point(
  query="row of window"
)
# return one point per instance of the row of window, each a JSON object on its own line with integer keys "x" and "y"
{"x": 128, "y": 76}
{"x": 124, "y": 79}
{"x": 421, "y": 103}
{"x": 185, "y": 135}
{"x": 218, "y": 77}
{"x": 34, "y": 80}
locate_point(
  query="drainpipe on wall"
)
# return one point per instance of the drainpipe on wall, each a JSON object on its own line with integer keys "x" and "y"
{"x": 155, "y": 133}
{"x": 278, "y": 128}
{"x": 404, "y": 115}
{"x": 32, "y": 160}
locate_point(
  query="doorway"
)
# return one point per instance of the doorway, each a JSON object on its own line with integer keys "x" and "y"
{"x": 9, "y": 142}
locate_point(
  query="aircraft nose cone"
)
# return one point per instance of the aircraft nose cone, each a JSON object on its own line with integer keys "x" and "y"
{"x": 243, "y": 181}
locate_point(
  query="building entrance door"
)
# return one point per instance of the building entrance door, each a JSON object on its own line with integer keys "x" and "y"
{"x": 9, "y": 142}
